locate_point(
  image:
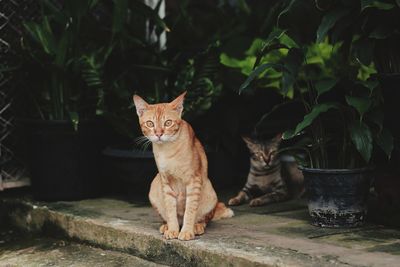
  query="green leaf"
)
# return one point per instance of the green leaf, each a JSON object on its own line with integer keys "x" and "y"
{"x": 325, "y": 86}
{"x": 376, "y": 117}
{"x": 245, "y": 65}
{"x": 62, "y": 49}
{"x": 288, "y": 134}
{"x": 310, "y": 117}
{"x": 398, "y": 3}
{"x": 361, "y": 104}
{"x": 329, "y": 20}
{"x": 42, "y": 34}
{"x": 361, "y": 137}
{"x": 276, "y": 34}
{"x": 370, "y": 84}
{"x": 255, "y": 47}
{"x": 384, "y": 139}
{"x": 257, "y": 71}
{"x": 376, "y": 4}
{"x": 292, "y": 63}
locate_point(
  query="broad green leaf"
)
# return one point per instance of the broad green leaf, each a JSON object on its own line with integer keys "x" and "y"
{"x": 288, "y": 42}
{"x": 288, "y": 134}
{"x": 62, "y": 49}
{"x": 370, "y": 84}
{"x": 361, "y": 137}
{"x": 310, "y": 117}
{"x": 325, "y": 86}
{"x": 398, "y": 3}
{"x": 365, "y": 72}
{"x": 245, "y": 65}
{"x": 42, "y": 34}
{"x": 376, "y": 4}
{"x": 329, "y": 20}
{"x": 257, "y": 71}
{"x": 255, "y": 47}
{"x": 292, "y": 63}
{"x": 276, "y": 34}
{"x": 376, "y": 117}
{"x": 361, "y": 104}
{"x": 384, "y": 139}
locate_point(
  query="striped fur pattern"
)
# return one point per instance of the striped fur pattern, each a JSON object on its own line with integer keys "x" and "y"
{"x": 270, "y": 179}
{"x": 181, "y": 192}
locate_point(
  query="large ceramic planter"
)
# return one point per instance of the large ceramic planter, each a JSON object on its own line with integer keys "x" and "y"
{"x": 64, "y": 163}
{"x": 337, "y": 197}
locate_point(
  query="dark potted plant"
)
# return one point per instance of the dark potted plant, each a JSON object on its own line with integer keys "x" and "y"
{"x": 370, "y": 32}
{"x": 342, "y": 125}
{"x": 70, "y": 56}
{"x": 63, "y": 137}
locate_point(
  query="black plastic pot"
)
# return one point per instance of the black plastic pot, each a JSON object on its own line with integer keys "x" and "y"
{"x": 129, "y": 170}
{"x": 337, "y": 197}
{"x": 65, "y": 164}
{"x": 132, "y": 171}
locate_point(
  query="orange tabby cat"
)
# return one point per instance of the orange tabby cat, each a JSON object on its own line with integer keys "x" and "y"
{"x": 181, "y": 192}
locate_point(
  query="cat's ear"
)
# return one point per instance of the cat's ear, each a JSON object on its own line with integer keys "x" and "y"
{"x": 140, "y": 105}
{"x": 278, "y": 138}
{"x": 276, "y": 141}
{"x": 249, "y": 142}
{"x": 177, "y": 103}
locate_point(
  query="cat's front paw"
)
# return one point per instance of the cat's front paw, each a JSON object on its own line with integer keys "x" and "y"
{"x": 163, "y": 228}
{"x": 199, "y": 228}
{"x": 256, "y": 202}
{"x": 234, "y": 201}
{"x": 185, "y": 235}
{"x": 171, "y": 234}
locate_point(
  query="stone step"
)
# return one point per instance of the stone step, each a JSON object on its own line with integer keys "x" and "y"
{"x": 20, "y": 249}
{"x": 276, "y": 235}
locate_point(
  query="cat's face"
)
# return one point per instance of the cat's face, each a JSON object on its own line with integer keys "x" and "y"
{"x": 160, "y": 123}
{"x": 263, "y": 153}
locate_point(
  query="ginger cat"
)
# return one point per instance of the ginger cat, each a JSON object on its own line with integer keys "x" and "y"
{"x": 181, "y": 192}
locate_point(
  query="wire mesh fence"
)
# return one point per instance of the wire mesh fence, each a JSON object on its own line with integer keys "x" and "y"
{"x": 12, "y": 13}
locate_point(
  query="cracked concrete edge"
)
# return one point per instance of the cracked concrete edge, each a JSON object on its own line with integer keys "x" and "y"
{"x": 37, "y": 219}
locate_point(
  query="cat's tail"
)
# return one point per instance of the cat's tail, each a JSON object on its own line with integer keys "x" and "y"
{"x": 222, "y": 212}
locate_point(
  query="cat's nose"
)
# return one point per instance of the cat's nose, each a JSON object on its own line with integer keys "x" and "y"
{"x": 159, "y": 133}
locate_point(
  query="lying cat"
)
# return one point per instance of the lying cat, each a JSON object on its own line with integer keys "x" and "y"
{"x": 181, "y": 192}
{"x": 270, "y": 178}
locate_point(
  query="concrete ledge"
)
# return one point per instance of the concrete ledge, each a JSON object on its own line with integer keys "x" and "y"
{"x": 249, "y": 239}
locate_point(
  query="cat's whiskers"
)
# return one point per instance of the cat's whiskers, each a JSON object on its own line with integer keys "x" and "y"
{"x": 143, "y": 142}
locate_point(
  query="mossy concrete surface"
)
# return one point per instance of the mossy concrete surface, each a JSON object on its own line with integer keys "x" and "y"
{"x": 275, "y": 235}
{"x": 21, "y": 250}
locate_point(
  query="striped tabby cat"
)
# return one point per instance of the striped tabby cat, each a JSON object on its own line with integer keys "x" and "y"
{"x": 181, "y": 192}
{"x": 270, "y": 178}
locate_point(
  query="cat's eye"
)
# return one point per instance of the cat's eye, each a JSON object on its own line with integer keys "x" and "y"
{"x": 168, "y": 123}
{"x": 149, "y": 124}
